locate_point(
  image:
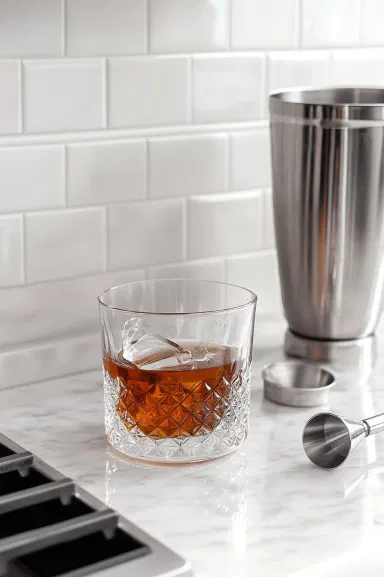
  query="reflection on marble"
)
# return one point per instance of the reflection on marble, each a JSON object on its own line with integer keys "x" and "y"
{"x": 262, "y": 510}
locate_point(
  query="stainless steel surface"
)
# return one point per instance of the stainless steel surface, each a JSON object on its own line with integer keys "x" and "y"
{"x": 11, "y": 445}
{"x": 328, "y": 191}
{"x": 20, "y": 459}
{"x": 152, "y": 559}
{"x": 328, "y": 439}
{"x": 297, "y": 384}
{"x": 161, "y": 562}
{"x": 63, "y": 489}
{"x": 30, "y": 541}
{"x": 357, "y": 355}
{"x": 375, "y": 424}
{"x": 16, "y": 461}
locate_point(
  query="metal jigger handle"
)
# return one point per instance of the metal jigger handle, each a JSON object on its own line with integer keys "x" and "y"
{"x": 375, "y": 424}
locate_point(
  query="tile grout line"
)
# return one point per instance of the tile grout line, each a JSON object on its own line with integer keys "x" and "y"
{"x": 24, "y": 249}
{"x": 79, "y": 276}
{"x": 266, "y": 85}
{"x": 147, "y": 27}
{"x": 241, "y": 192}
{"x": 264, "y": 223}
{"x": 226, "y": 269}
{"x": 64, "y": 185}
{"x": 229, "y": 156}
{"x": 189, "y": 81}
{"x": 147, "y": 177}
{"x": 361, "y": 24}
{"x": 185, "y": 230}
{"x": 106, "y": 239}
{"x": 237, "y": 52}
{"x": 128, "y": 133}
{"x": 129, "y": 270}
{"x": 43, "y": 341}
{"x": 63, "y": 28}
{"x": 105, "y": 93}
{"x": 21, "y": 96}
{"x": 230, "y": 24}
{"x": 298, "y": 24}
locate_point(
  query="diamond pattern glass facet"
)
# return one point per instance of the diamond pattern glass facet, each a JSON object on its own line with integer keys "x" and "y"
{"x": 212, "y": 423}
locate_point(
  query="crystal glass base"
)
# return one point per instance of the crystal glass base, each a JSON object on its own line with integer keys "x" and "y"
{"x": 226, "y": 436}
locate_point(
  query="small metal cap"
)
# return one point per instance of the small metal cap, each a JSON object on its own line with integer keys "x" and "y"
{"x": 297, "y": 384}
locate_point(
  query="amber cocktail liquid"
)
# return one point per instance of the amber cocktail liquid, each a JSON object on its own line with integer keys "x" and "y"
{"x": 185, "y": 412}
{"x": 185, "y": 400}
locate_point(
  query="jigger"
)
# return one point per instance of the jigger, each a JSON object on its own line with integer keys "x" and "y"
{"x": 329, "y": 439}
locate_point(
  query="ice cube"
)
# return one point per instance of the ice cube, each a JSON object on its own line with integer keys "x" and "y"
{"x": 148, "y": 350}
{"x": 131, "y": 330}
{"x": 201, "y": 353}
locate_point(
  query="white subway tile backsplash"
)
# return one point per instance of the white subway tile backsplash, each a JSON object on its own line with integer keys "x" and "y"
{"x": 188, "y": 26}
{"x": 259, "y": 24}
{"x": 224, "y": 224}
{"x": 250, "y": 160}
{"x": 109, "y": 27}
{"x": 330, "y": 23}
{"x": 30, "y": 28}
{"x": 188, "y": 165}
{"x": 269, "y": 227}
{"x": 57, "y": 309}
{"x": 372, "y": 24}
{"x": 103, "y": 172}
{"x": 211, "y": 269}
{"x": 147, "y": 91}
{"x": 61, "y": 95}
{"x": 228, "y": 87}
{"x": 10, "y": 96}
{"x": 128, "y": 182}
{"x": 358, "y": 67}
{"x": 11, "y": 250}
{"x": 145, "y": 233}
{"x": 31, "y": 178}
{"x": 49, "y": 360}
{"x": 64, "y": 243}
{"x": 258, "y": 273}
{"x": 300, "y": 68}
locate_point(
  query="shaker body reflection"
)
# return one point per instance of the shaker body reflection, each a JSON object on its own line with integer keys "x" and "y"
{"x": 328, "y": 191}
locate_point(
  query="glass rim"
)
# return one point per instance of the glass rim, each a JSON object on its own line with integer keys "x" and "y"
{"x": 252, "y": 300}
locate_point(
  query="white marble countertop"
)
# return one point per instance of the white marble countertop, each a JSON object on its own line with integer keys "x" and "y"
{"x": 263, "y": 510}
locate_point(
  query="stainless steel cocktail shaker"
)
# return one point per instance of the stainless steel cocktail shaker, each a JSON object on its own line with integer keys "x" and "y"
{"x": 328, "y": 194}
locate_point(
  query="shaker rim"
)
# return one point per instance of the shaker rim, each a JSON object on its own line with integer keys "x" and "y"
{"x": 340, "y": 106}
{"x": 346, "y": 95}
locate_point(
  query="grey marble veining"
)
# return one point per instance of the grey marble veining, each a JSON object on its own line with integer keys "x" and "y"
{"x": 263, "y": 510}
